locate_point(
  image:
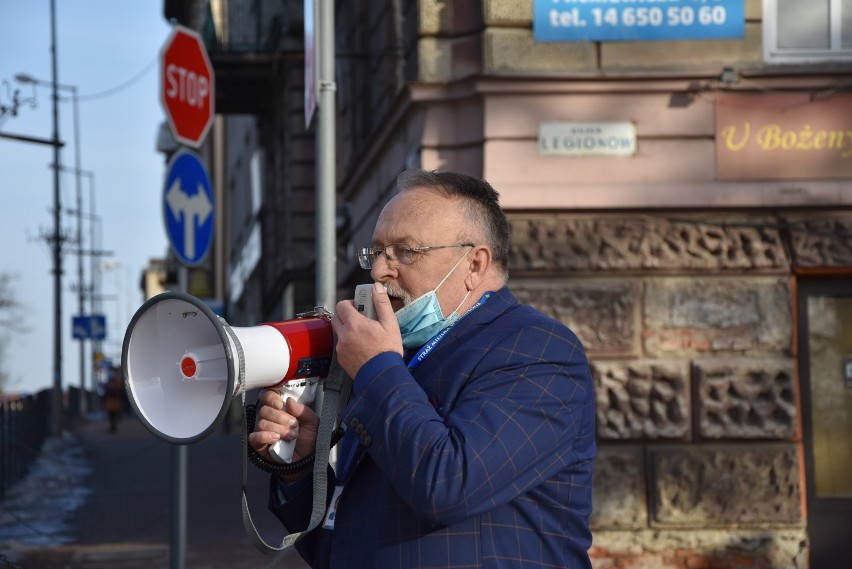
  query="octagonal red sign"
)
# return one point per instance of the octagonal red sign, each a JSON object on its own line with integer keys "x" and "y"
{"x": 187, "y": 86}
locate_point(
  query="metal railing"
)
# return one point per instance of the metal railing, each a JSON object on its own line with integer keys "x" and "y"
{"x": 25, "y": 423}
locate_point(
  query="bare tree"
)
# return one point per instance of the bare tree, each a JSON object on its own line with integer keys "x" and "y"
{"x": 11, "y": 323}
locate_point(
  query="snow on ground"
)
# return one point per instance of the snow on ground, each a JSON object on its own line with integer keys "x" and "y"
{"x": 37, "y": 509}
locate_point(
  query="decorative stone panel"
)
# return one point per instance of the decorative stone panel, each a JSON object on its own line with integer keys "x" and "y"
{"x": 618, "y": 489}
{"x": 822, "y": 242}
{"x": 746, "y": 398}
{"x": 687, "y": 316}
{"x": 641, "y": 400}
{"x": 704, "y": 486}
{"x": 647, "y": 243}
{"x": 603, "y": 314}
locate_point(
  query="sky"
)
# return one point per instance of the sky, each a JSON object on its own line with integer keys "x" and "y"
{"x": 108, "y": 50}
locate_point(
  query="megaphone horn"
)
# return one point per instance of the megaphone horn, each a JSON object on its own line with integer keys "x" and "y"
{"x": 182, "y": 363}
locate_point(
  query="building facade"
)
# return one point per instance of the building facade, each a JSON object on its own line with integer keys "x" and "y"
{"x": 683, "y": 205}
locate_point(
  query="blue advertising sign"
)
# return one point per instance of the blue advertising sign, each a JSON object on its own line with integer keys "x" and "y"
{"x": 188, "y": 208}
{"x": 632, "y": 20}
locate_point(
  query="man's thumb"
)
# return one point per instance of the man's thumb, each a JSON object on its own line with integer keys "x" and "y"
{"x": 294, "y": 408}
{"x": 381, "y": 300}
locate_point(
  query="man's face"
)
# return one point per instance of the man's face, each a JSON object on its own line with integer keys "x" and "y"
{"x": 421, "y": 218}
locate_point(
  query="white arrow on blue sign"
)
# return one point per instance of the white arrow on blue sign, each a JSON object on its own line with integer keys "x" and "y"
{"x": 88, "y": 327}
{"x": 97, "y": 327}
{"x": 188, "y": 208}
{"x": 80, "y": 327}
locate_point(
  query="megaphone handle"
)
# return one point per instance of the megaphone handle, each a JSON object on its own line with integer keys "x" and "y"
{"x": 282, "y": 451}
{"x": 303, "y": 391}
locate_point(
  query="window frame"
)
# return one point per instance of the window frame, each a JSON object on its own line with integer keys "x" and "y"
{"x": 774, "y": 54}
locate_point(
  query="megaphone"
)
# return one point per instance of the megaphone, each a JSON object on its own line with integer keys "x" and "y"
{"x": 183, "y": 364}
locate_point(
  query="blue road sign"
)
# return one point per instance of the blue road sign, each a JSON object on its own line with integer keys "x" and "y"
{"x": 80, "y": 327}
{"x": 97, "y": 327}
{"x": 88, "y": 327}
{"x": 188, "y": 208}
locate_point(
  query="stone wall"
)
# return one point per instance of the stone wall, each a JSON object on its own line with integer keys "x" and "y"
{"x": 688, "y": 325}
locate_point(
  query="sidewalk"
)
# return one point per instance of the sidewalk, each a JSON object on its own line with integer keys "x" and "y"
{"x": 100, "y": 500}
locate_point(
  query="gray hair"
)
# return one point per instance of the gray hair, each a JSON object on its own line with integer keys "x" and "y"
{"x": 481, "y": 205}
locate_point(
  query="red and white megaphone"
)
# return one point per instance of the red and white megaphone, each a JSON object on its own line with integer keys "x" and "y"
{"x": 182, "y": 365}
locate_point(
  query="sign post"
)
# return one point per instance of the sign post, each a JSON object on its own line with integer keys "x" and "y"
{"x": 187, "y": 95}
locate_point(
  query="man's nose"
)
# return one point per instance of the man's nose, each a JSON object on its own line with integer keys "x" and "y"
{"x": 382, "y": 269}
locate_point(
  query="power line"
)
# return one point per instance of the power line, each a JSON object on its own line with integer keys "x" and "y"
{"x": 122, "y": 86}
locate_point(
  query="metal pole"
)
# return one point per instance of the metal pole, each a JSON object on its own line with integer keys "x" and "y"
{"x": 94, "y": 291}
{"x": 56, "y": 243}
{"x": 177, "y": 553}
{"x": 179, "y": 477}
{"x": 326, "y": 160}
{"x": 81, "y": 292}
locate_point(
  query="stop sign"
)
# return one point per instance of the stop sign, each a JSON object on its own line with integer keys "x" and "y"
{"x": 186, "y": 86}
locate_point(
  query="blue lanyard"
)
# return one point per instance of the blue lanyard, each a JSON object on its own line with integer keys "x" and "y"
{"x": 356, "y": 450}
{"x": 352, "y": 458}
{"x": 430, "y": 345}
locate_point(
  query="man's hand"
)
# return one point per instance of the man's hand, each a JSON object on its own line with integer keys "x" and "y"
{"x": 279, "y": 420}
{"x": 359, "y": 338}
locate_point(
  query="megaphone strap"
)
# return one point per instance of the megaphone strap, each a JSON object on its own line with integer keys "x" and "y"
{"x": 336, "y": 390}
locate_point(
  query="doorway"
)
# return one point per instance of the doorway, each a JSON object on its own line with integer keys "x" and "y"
{"x": 825, "y": 372}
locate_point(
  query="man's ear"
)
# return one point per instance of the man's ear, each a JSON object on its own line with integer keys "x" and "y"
{"x": 480, "y": 264}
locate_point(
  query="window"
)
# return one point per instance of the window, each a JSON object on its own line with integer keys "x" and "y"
{"x": 807, "y": 31}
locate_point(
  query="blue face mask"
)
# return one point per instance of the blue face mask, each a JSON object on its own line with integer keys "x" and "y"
{"x": 422, "y": 318}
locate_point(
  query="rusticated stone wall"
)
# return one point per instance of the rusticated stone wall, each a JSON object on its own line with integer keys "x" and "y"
{"x": 688, "y": 325}
{"x": 730, "y": 485}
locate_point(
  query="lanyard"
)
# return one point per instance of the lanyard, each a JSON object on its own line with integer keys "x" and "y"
{"x": 352, "y": 458}
{"x": 430, "y": 345}
{"x": 355, "y": 451}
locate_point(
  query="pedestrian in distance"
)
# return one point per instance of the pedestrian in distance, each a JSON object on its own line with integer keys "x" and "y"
{"x": 114, "y": 399}
{"x": 470, "y": 436}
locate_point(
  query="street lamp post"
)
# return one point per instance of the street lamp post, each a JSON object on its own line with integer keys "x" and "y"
{"x": 93, "y": 287}
{"x": 122, "y": 275}
{"x": 56, "y": 238}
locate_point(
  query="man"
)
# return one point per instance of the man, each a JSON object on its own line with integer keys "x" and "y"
{"x": 470, "y": 432}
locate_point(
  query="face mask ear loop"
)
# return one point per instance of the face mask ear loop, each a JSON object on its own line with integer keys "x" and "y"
{"x": 435, "y": 290}
{"x": 462, "y": 302}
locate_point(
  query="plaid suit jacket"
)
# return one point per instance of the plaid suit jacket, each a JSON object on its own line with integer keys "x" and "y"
{"x": 481, "y": 456}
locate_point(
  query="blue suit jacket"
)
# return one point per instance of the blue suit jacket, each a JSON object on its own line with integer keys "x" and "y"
{"x": 481, "y": 456}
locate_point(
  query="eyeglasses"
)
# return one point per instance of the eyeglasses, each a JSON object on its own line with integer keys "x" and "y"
{"x": 397, "y": 253}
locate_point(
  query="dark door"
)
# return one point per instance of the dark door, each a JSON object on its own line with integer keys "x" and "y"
{"x": 825, "y": 371}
